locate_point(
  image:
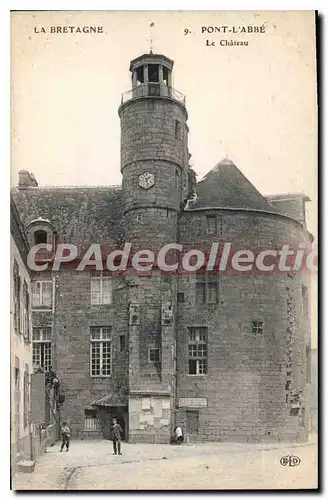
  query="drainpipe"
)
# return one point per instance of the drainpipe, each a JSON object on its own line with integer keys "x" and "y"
{"x": 31, "y": 441}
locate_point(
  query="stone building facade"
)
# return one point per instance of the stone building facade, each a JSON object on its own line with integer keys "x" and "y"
{"x": 225, "y": 355}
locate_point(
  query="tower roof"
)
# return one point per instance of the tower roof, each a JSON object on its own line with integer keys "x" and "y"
{"x": 225, "y": 186}
{"x": 151, "y": 59}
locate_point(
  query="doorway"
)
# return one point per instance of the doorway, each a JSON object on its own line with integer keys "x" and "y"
{"x": 106, "y": 415}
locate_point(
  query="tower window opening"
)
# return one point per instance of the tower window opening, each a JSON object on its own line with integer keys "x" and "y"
{"x": 165, "y": 75}
{"x": 140, "y": 75}
{"x": 177, "y": 179}
{"x": 177, "y": 130}
{"x": 153, "y": 73}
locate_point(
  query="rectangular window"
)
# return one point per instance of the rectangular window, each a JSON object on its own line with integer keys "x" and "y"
{"x": 197, "y": 350}
{"x": 177, "y": 130}
{"x": 211, "y": 224}
{"x": 257, "y": 327}
{"x": 42, "y": 347}
{"x": 207, "y": 288}
{"x": 42, "y": 294}
{"x": 101, "y": 289}
{"x": 90, "y": 420}
{"x": 200, "y": 292}
{"x": 180, "y": 297}
{"x": 212, "y": 292}
{"x": 100, "y": 351}
{"x": 122, "y": 343}
{"x": 305, "y": 301}
{"x": 26, "y": 395}
{"x": 153, "y": 355}
{"x": 192, "y": 418}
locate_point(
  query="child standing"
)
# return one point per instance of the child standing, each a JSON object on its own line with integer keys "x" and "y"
{"x": 66, "y": 435}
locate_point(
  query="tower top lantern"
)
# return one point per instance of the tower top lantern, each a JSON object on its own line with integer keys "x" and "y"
{"x": 152, "y": 77}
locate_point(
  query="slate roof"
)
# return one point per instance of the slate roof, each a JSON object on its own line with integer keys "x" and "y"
{"x": 83, "y": 215}
{"x": 80, "y": 215}
{"x": 225, "y": 186}
{"x": 112, "y": 399}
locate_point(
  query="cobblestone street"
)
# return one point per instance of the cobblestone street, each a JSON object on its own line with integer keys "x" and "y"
{"x": 90, "y": 465}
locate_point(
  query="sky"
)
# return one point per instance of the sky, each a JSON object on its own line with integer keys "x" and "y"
{"x": 255, "y": 104}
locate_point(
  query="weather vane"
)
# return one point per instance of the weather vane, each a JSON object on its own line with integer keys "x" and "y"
{"x": 151, "y": 25}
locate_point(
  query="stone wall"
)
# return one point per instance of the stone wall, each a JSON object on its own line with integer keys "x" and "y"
{"x": 245, "y": 384}
{"x": 149, "y": 418}
{"x": 73, "y": 317}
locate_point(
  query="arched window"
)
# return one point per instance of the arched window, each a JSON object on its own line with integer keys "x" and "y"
{"x": 40, "y": 236}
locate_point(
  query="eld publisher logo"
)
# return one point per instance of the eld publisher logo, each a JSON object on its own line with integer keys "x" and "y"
{"x": 290, "y": 460}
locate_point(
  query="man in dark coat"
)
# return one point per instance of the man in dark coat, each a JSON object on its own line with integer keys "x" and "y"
{"x": 116, "y": 437}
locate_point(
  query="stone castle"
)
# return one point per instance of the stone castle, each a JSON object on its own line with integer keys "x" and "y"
{"x": 224, "y": 356}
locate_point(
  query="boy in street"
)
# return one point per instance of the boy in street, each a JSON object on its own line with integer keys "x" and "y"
{"x": 116, "y": 437}
{"x": 66, "y": 434}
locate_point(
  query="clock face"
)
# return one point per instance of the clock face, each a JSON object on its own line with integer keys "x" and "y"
{"x": 146, "y": 180}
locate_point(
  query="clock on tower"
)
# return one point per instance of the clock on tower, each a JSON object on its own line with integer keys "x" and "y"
{"x": 146, "y": 180}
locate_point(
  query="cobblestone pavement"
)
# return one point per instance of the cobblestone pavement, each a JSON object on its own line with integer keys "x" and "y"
{"x": 90, "y": 465}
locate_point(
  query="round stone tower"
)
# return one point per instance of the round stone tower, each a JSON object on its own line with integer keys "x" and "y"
{"x": 154, "y": 166}
{"x": 154, "y": 152}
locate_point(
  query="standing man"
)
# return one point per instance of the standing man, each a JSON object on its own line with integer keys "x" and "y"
{"x": 66, "y": 435}
{"x": 116, "y": 437}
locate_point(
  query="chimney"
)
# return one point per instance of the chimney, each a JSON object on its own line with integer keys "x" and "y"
{"x": 26, "y": 179}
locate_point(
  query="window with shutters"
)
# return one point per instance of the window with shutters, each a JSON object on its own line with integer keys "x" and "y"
{"x": 16, "y": 292}
{"x": 100, "y": 351}
{"x": 25, "y": 321}
{"x": 42, "y": 294}
{"x": 197, "y": 350}
{"x": 42, "y": 347}
{"x": 101, "y": 288}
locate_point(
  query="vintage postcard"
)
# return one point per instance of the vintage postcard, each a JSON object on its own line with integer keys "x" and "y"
{"x": 164, "y": 250}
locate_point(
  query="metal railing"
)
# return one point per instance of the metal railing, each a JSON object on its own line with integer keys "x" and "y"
{"x": 153, "y": 89}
